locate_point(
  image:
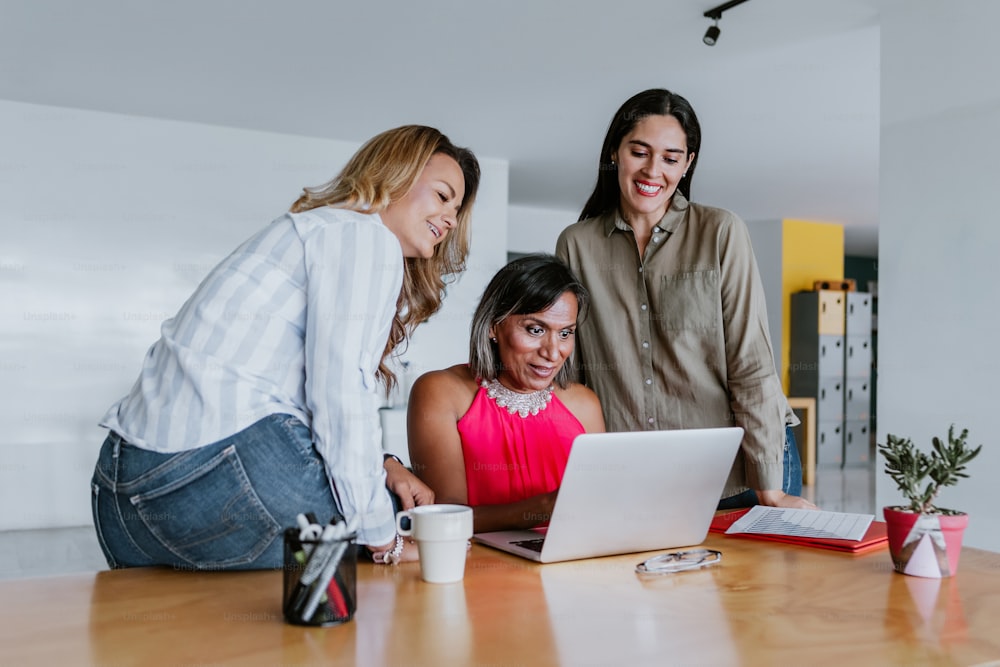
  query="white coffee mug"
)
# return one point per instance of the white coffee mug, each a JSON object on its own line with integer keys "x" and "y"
{"x": 442, "y": 533}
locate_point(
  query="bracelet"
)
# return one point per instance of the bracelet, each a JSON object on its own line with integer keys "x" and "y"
{"x": 386, "y": 457}
{"x": 390, "y": 557}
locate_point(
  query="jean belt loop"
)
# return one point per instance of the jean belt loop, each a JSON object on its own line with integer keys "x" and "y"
{"x": 116, "y": 451}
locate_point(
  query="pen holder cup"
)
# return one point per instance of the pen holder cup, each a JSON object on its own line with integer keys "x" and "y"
{"x": 320, "y": 580}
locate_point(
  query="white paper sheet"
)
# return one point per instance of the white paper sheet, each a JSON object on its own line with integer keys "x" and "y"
{"x": 802, "y": 523}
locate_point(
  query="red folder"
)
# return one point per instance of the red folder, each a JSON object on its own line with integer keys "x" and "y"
{"x": 875, "y": 538}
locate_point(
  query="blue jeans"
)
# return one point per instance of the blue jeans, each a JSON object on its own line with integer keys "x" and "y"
{"x": 219, "y": 507}
{"x": 791, "y": 477}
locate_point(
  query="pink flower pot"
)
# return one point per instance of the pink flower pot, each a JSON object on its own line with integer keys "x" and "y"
{"x": 925, "y": 545}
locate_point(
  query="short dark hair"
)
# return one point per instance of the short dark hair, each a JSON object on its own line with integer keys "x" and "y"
{"x": 529, "y": 284}
{"x": 652, "y": 102}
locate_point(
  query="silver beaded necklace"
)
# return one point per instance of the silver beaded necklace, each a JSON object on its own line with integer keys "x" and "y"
{"x": 516, "y": 403}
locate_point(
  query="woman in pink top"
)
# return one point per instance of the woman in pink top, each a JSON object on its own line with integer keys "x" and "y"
{"x": 495, "y": 433}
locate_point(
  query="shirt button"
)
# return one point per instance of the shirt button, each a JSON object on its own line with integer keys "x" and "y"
{"x": 640, "y": 269}
{"x": 645, "y": 344}
{"x": 649, "y": 380}
{"x": 642, "y": 307}
{"x": 656, "y": 239}
{"x": 651, "y": 421}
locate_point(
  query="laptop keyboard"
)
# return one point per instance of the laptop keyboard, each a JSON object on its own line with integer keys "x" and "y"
{"x": 533, "y": 545}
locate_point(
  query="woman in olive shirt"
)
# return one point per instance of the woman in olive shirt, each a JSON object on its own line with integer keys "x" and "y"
{"x": 677, "y": 336}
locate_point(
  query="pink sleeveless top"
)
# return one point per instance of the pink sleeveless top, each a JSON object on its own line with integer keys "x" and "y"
{"x": 509, "y": 458}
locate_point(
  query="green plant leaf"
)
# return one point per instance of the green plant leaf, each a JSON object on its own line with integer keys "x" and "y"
{"x": 910, "y": 468}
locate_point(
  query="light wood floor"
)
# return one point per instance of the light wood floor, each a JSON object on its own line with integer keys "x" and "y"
{"x": 37, "y": 553}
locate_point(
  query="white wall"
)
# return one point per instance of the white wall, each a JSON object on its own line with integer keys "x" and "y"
{"x": 939, "y": 239}
{"x": 107, "y": 224}
{"x": 532, "y": 229}
{"x": 767, "y": 237}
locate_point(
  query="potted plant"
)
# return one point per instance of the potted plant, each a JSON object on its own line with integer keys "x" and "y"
{"x": 925, "y": 540}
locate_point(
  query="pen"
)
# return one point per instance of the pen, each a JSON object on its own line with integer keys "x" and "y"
{"x": 318, "y": 558}
{"x": 338, "y": 596}
{"x": 327, "y": 584}
{"x": 309, "y": 531}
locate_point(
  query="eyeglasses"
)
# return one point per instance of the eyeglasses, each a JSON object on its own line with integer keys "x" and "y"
{"x": 678, "y": 561}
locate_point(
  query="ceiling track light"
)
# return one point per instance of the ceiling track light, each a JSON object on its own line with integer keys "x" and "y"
{"x": 713, "y": 32}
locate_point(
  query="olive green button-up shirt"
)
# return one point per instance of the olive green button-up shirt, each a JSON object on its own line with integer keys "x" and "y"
{"x": 678, "y": 338}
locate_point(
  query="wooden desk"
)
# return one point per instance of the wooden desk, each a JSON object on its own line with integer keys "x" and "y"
{"x": 765, "y": 604}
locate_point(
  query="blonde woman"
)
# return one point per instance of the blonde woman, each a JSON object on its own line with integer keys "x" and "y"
{"x": 260, "y": 400}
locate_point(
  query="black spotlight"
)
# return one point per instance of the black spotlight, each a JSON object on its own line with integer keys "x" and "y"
{"x": 712, "y": 34}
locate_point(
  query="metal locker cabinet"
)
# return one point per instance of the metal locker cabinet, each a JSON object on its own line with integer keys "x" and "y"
{"x": 817, "y": 365}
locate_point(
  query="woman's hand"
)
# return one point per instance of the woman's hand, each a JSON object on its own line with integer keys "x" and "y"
{"x": 408, "y": 554}
{"x": 546, "y": 503}
{"x": 406, "y": 485}
{"x": 776, "y": 498}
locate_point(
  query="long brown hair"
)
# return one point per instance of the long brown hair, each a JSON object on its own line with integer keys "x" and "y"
{"x": 652, "y": 102}
{"x": 384, "y": 170}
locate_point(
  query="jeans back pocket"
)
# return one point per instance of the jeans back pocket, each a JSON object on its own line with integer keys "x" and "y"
{"x": 209, "y": 516}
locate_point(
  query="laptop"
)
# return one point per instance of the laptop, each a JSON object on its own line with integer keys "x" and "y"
{"x": 629, "y": 492}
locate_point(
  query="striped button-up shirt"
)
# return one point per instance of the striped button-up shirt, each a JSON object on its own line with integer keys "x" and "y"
{"x": 294, "y": 321}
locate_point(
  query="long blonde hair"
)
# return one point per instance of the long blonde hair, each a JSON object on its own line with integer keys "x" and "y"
{"x": 382, "y": 171}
